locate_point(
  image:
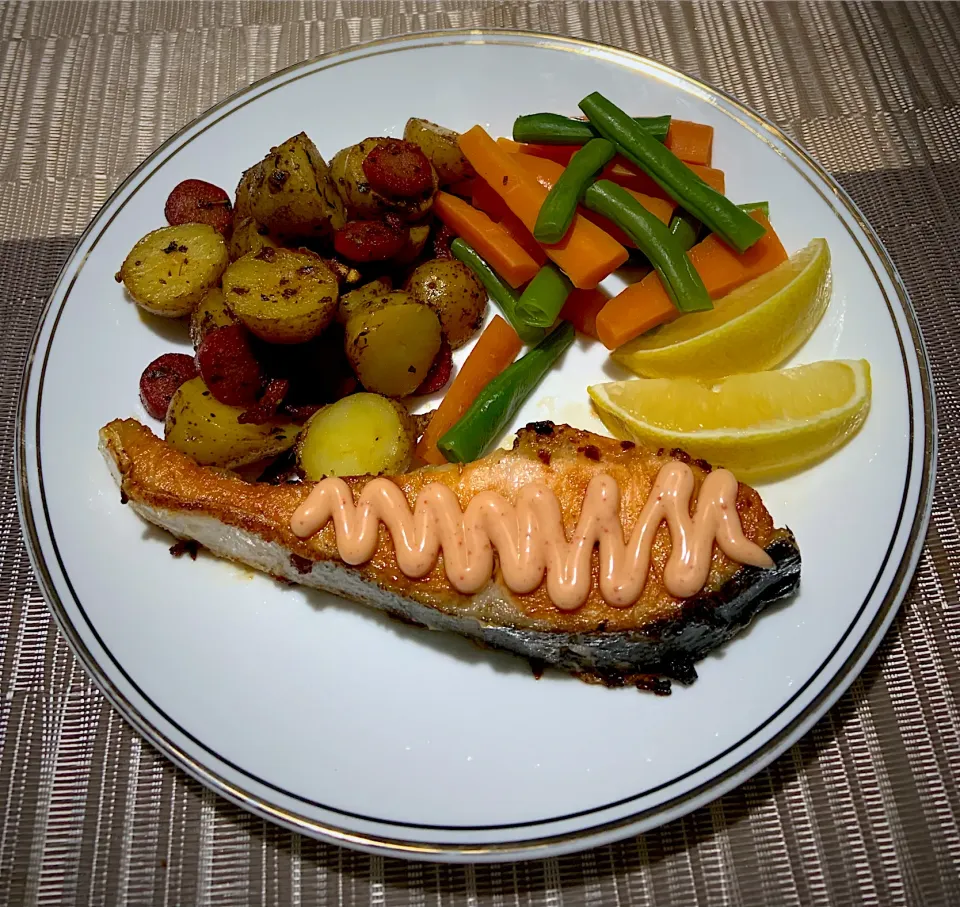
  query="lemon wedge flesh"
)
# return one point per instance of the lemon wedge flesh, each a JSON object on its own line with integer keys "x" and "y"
{"x": 760, "y": 426}
{"x": 755, "y": 327}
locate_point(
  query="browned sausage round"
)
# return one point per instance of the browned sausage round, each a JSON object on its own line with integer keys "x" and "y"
{"x": 266, "y": 407}
{"x": 160, "y": 380}
{"x": 199, "y": 202}
{"x": 440, "y": 370}
{"x": 369, "y": 240}
{"x": 228, "y": 366}
{"x": 442, "y": 237}
{"x": 398, "y": 168}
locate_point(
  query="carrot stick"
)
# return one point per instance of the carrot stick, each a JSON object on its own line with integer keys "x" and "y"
{"x": 494, "y": 351}
{"x": 586, "y": 254}
{"x": 523, "y": 237}
{"x": 486, "y": 200}
{"x": 463, "y": 189}
{"x": 619, "y": 170}
{"x": 637, "y": 309}
{"x": 645, "y": 305}
{"x": 547, "y": 172}
{"x": 581, "y": 310}
{"x": 625, "y": 174}
{"x": 691, "y": 142}
{"x": 494, "y": 244}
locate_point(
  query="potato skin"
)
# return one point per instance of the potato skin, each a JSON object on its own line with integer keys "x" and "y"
{"x": 291, "y": 194}
{"x": 363, "y": 434}
{"x": 392, "y": 343}
{"x": 369, "y": 296}
{"x": 453, "y": 291}
{"x": 364, "y": 202}
{"x": 280, "y": 295}
{"x": 441, "y": 147}
{"x": 417, "y": 237}
{"x": 208, "y": 431}
{"x": 169, "y": 270}
{"x": 211, "y": 312}
{"x": 249, "y": 236}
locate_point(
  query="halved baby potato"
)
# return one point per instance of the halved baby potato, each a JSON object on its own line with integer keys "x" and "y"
{"x": 280, "y": 295}
{"x": 391, "y": 346}
{"x": 168, "y": 270}
{"x": 363, "y": 434}
{"x": 208, "y": 431}
{"x": 211, "y": 312}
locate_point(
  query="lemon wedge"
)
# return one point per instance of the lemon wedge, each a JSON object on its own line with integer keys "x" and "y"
{"x": 755, "y": 327}
{"x": 760, "y": 425}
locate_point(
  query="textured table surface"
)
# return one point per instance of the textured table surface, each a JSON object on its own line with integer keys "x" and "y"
{"x": 865, "y": 810}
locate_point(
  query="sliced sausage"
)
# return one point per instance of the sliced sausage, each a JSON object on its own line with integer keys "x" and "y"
{"x": 440, "y": 370}
{"x": 398, "y": 168}
{"x": 369, "y": 240}
{"x": 199, "y": 202}
{"x": 161, "y": 379}
{"x": 228, "y": 366}
{"x": 266, "y": 407}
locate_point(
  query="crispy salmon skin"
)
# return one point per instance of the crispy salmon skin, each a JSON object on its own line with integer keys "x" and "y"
{"x": 658, "y": 636}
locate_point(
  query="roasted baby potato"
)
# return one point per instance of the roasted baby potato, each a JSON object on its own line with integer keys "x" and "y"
{"x": 441, "y": 146}
{"x": 391, "y": 344}
{"x": 169, "y": 269}
{"x": 359, "y": 435}
{"x": 418, "y": 235}
{"x": 290, "y": 192}
{"x": 282, "y": 296}
{"x": 211, "y": 312}
{"x": 201, "y": 427}
{"x": 361, "y": 199}
{"x": 452, "y": 290}
{"x": 249, "y": 236}
{"x": 363, "y": 298}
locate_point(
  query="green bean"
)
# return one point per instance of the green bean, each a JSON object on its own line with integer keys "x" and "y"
{"x": 686, "y": 228}
{"x": 682, "y": 185}
{"x": 560, "y": 206}
{"x": 554, "y": 129}
{"x": 683, "y": 284}
{"x": 544, "y": 296}
{"x": 499, "y": 401}
{"x": 763, "y": 207}
{"x": 501, "y": 293}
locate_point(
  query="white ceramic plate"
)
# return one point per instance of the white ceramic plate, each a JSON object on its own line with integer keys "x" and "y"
{"x": 337, "y": 722}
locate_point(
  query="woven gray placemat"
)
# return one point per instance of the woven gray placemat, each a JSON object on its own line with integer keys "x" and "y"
{"x": 864, "y": 810}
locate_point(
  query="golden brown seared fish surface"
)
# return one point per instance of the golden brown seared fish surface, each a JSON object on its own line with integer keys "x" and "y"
{"x": 659, "y": 636}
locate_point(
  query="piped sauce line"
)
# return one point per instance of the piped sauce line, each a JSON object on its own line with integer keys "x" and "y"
{"x": 529, "y": 535}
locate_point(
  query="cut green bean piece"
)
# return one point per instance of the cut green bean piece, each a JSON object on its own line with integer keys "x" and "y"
{"x": 499, "y": 401}
{"x": 501, "y": 293}
{"x": 555, "y": 129}
{"x": 685, "y": 229}
{"x": 683, "y": 284}
{"x": 756, "y": 206}
{"x": 716, "y": 211}
{"x": 560, "y": 206}
{"x": 544, "y": 296}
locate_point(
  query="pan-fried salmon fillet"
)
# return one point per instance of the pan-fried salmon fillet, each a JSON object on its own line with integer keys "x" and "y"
{"x": 659, "y": 636}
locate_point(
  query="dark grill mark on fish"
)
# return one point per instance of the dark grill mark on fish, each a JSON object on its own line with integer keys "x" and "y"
{"x": 542, "y": 428}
